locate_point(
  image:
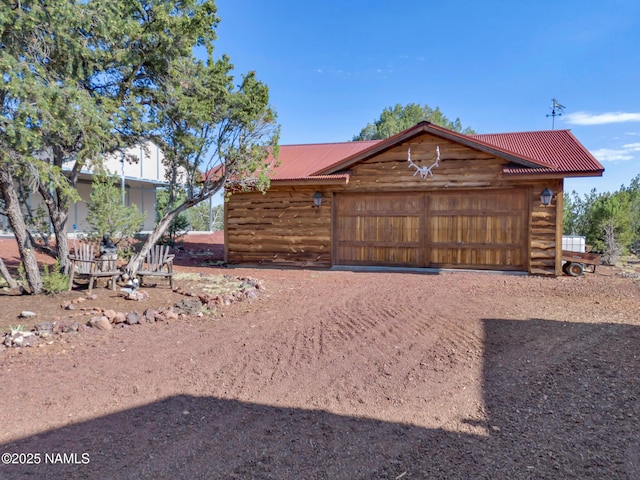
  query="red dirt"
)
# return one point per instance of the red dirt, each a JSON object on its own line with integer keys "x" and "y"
{"x": 191, "y": 255}
{"x": 342, "y": 375}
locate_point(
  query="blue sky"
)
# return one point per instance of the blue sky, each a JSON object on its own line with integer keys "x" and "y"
{"x": 333, "y": 66}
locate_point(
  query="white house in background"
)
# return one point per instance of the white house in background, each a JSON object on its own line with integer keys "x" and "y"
{"x": 141, "y": 171}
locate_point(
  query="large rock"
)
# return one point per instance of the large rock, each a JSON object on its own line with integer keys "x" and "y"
{"x": 67, "y": 327}
{"x": 137, "y": 295}
{"x": 133, "y": 318}
{"x": 150, "y": 315}
{"x": 21, "y": 339}
{"x": 44, "y": 329}
{"x": 169, "y": 314}
{"x": 101, "y": 323}
{"x": 189, "y": 306}
{"x": 251, "y": 294}
{"x": 68, "y": 305}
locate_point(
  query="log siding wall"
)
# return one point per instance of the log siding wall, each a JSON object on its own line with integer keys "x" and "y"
{"x": 282, "y": 227}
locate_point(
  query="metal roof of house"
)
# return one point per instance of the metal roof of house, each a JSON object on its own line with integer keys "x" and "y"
{"x": 301, "y": 161}
{"x": 555, "y": 152}
{"x": 556, "y": 147}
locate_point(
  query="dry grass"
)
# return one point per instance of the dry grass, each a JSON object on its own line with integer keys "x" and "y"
{"x": 211, "y": 284}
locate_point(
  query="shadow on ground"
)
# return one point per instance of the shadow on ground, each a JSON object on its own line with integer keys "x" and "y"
{"x": 553, "y": 411}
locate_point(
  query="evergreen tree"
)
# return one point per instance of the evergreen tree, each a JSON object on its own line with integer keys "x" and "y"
{"x": 81, "y": 78}
{"x": 180, "y": 223}
{"x": 400, "y": 117}
{"x": 106, "y": 213}
{"x": 610, "y": 222}
{"x": 202, "y": 217}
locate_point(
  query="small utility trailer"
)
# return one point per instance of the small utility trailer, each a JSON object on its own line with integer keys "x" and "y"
{"x": 576, "y": 262}
{"x": 575, "y": 258}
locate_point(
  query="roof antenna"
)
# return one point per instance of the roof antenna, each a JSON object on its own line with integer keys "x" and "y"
{"x": 556, "y": 111}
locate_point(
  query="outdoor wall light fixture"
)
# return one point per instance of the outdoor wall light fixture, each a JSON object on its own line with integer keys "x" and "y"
{"x": 546, "y": 196}
{"x": 317, "y": 199}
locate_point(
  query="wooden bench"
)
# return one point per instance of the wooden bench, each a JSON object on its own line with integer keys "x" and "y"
{"x": 158, "y": 262}
{"x": 84, "y": 264}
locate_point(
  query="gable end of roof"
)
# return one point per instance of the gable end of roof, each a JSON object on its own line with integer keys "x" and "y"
{"x": 551, "y": 152}
{"x": 430, "y": 128}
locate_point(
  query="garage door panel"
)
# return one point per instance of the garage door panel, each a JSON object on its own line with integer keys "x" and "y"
{"x": 380, "y": 255}
{"x": 397, "y": 230}
{"x": 378, "y": 204}
{"x": 453, "y": 229}
{"x": 378, "y": 229}
{"x": 471, "y": 257}
{"x": 484, "y": 230}
{"x": 477, "y": 229}
{"x": 477, "y": 202}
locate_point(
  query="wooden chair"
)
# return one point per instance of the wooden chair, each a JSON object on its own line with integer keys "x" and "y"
{"x": 157, "y": 263}
{"x": 85, "y": 265}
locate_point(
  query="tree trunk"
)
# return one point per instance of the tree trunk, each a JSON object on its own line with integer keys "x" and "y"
{"x": 165, "y": 222}
{"x": 4, "y": 271}
{"x": 612, "y": 249}
{"x": 162, "y": 226}
{"x": 62, "y": 243}
{"x": 13, "y": 213}
{"x": 62, "y": 247}
{"x": 57, "y": 203}
{"x": 58, "y": 214}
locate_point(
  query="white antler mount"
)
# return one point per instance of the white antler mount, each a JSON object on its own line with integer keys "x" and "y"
{"x": 424, "y": 171}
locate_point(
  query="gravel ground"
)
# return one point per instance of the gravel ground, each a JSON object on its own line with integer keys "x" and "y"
{"x": 343, "y": 375}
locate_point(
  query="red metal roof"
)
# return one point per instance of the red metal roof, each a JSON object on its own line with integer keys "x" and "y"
{"x": 556, "y": 147}
{"x": 530, "y": 153}
{"x": 301, "y": 161}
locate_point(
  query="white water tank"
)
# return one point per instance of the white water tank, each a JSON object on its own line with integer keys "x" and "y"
{"x": 574, "y": 243}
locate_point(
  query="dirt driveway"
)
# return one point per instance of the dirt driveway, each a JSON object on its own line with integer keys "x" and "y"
{"x": 344, "y": 375}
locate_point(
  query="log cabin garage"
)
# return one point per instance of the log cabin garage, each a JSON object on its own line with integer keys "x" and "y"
{"x": 427, "y": 197}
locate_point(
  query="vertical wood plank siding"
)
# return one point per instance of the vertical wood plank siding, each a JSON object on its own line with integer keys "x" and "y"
{"x": 478, "y": 229}
{"x": 379, "y": 229}
{"x": 467, "y": 215}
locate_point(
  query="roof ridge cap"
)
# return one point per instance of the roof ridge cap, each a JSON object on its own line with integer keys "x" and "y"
{"x": 326, "y": 143}
{"x": 524, "y": 131}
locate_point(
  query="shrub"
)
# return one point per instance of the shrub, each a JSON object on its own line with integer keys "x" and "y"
{"x": 54, "y": 281}
{"x": 179, "y": 225}
{"x": 106, "y": 213}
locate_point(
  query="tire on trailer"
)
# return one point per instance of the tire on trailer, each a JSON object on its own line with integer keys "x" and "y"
{"x": 574, "y": 269}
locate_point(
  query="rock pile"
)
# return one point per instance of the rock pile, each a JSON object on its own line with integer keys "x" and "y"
{"x": 109, "y": 319}
{"x": 20, "y": 339}
{"x": 248, "y": 290}
{"x": 194, "y": 305}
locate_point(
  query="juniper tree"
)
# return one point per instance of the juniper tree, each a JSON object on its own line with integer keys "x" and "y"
{"x": 396, "y": 119}
{"x": 85, "y": 77}
{"x": 106, "y": 214}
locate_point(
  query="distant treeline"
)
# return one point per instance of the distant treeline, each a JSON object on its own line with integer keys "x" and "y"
{"x": 609, "y": 221}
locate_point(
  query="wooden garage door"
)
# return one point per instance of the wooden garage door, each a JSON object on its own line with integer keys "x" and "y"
{"x": 482, "y": 229}
{"x": 379, "y": 229}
